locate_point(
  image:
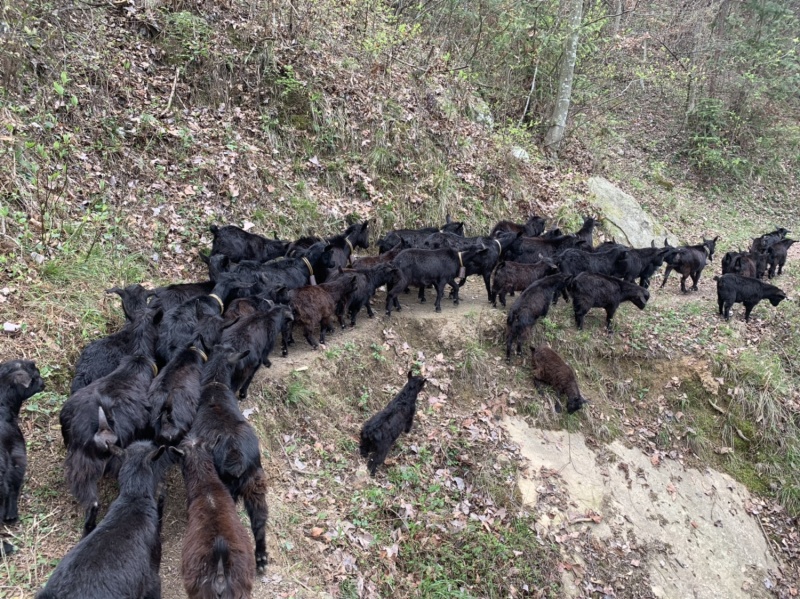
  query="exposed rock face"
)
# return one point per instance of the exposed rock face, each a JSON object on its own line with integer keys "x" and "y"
{"x": 624, "y": 218}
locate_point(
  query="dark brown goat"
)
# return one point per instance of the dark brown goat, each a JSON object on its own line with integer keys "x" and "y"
{"x": 509, "y": 277}
{"x": 370, "y": 261}
{"x": 317, "y": 304}
{"x": 549, "y": 368}
{"x": 217, "y": 560}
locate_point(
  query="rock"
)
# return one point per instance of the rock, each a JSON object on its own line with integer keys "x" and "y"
{"x": 624, "y": 218}
{"x": 520, "y": 154}
{"x": 479, "y": 112}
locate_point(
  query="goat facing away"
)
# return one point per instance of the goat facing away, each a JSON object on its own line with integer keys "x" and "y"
{"x": 381, "y": 431}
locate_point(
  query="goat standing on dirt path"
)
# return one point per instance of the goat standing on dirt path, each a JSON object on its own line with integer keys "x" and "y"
{"x": 381, "y": 431}
{"x": 233, "y": 443}
{"x": 736, "y": 289}
{"x": 120, "y": 559}
{"x": 217, "y": 560}
{"x": 689, "y": 261}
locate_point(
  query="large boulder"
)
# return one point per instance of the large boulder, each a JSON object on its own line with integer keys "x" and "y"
{"x": 623, "y": 217}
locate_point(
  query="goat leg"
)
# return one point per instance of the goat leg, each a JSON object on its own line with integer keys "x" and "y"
{"x": 254, "y": 495}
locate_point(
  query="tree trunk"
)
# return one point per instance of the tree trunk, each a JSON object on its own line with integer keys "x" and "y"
{"x": 566, "y": 72}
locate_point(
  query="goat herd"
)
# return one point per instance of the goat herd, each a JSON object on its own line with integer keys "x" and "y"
{"x": 163, "y": 389}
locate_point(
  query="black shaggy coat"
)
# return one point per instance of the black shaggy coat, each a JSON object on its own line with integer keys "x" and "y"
{"x": 762, "y": 243}
{"x": 257, "y": 334}
{"x": 483, "y": 264}
{"x": 134, "y": 299}
{"x": 413, "y": 238}
{"x": 113, "y": 410}
{"x": 532, "y": 249}
{"x": 689, "y": 261}
{"x": 736, "y": 289}
{"x": 120, "y": 559}
{"x": 421, "y": 268}
{"x": 549, "y": 368}
{"x": 776, "y": 256}
{"x": 233, "y": 443}
{"x": 368, "y": 279}
{"x": 294, "y": 272}
{"x": 102, "y": 356}
{"x": 237, "y": 244}
{"x": 381, "y": 431}
{"x": 611, "y": 262}
{"x": 173, "y": 395}
{"x": 599, "y": 291}
{"x": 533, "y": 227}
{"x": 19, "y": 380}
{"x": 534, "y": 303}
{"x": 509, "y": 277}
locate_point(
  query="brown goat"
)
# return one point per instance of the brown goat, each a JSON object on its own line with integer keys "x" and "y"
{"x": 370, "y": 261}
{"x": 217, "y": 560}
{"x": 549, "y": 368}
{"x": 509, "y": 277}
{"x": 318, "y": 304}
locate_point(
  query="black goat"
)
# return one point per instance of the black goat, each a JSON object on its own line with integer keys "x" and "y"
{"x": 585, "y": 233}
{"x": 413, "y": 238}
{"x": 551, "y": 369}
{"x": 533, "y": 227}
{"x": 381, "y": 431}
{"x": 134, "y": 299}
{"x": 776, "y": 255}
{"x": 534, "y": 303}
{"x": 199, "y": 316}
{"x": 736, "y": 289}
{"x": 430, "y": 267}
{"x": 174, "y": 393}
{"x": 689, "y": 261}
{"x": 240, "y": 245}
{"x": 532, "y": 249}
{"x": 509, "y": 277}
{"x": 122, "y": 556}
{"x": 760, "y": 244}
{"x": 300, "y": 270}
{"x": 641, "y": 263}
{"x": 388, "y": 256}
{"x": 368, "y": 279}
{"x": 256, "y": 335}
{"x": 103, "y": 355}
{"x": 612, "y": 262}
{"x": 19, "y": 380}
{"x": 233, "y": 442}
{"x": 482, "y": 265}
{"x": 113, "y": 410}
{"x": 217, "y": 559}
{"x": 599, "y": 291}
{"x": 218, "y": 265}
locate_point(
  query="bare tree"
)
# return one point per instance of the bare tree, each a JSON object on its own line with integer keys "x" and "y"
{"x": 558, "y": 120}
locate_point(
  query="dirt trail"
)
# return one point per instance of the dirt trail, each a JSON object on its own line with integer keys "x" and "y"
{"x": 726, "y": 549}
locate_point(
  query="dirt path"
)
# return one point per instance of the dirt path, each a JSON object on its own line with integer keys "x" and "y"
{"x": 698, "y": 535}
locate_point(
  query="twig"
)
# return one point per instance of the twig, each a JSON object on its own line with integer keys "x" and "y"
{"x": 717, "y": 408}
{"x": 172, "y": 93}
{"x": 530, "y": 93}
{"x": 621, "y": 230}
{"x": 767, "y": 537}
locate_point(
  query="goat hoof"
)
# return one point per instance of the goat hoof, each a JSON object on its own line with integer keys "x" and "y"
{"x": 261, "y": 563}
{"x": 438, "y": 309}
{"x": 422, "y": 301}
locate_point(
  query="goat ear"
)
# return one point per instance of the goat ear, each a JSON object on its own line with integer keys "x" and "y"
{"x": 22, "y": 378}
{"x": 204, "y": 257}
{"x": 410, "y": 375}
{"x": 447, "y": 219}
{"x": 176, "y": 451}
{"x": 116, "y": 450}
{"x": 157, "y": 453}
{"x": 234, "y": 358}
{"x": 653, "y": 243}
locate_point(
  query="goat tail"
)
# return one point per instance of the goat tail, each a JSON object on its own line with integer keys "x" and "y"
{"x": 716, "y": 278}
{"x": 214, "y": 229}
{"x": 82, "y": 473}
